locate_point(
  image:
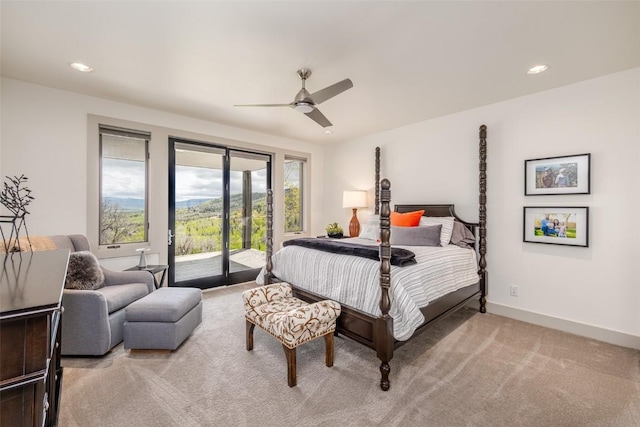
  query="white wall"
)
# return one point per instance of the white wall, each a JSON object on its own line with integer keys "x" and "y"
{"x": 44, "y": 136}
{"x": 436, "y": 162}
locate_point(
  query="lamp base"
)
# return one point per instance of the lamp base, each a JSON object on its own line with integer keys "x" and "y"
{"x": 143, "y": 258}
{"x": 354, "y": 225}
{"x": 143, "y": 261}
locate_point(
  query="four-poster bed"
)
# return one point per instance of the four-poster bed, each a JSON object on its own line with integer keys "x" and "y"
{"x": 377, "y": 331}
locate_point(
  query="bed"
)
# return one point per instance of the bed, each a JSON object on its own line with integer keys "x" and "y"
{"x": 380, "y": 312}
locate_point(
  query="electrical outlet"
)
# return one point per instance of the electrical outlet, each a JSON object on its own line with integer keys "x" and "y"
{"x": 514, "y": 290}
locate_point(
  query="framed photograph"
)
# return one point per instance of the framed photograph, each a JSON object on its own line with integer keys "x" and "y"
{"x": 558, "y": 175}
{"x": 556, "y": 225}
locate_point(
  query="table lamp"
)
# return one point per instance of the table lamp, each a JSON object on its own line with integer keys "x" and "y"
{"x": 354, "y": 200}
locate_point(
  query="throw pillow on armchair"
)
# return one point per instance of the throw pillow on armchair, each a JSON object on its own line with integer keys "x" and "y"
{"x": 84, "y": 272}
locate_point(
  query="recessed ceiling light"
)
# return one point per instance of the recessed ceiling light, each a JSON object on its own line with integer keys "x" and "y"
{"x": 327, "y": 132}
{"x": 79, "y": 66}
{"x": 537, "y": 69}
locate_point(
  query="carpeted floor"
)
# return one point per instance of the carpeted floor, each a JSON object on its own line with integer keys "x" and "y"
{"x": 469, "y": 370}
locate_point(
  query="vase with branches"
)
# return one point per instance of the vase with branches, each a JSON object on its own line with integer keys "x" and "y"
{"x": 15, "y": 197}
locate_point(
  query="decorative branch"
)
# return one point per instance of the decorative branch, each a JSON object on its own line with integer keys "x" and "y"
{"x": 15, "y": 197}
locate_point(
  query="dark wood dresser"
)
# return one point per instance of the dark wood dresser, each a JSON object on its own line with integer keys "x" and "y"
{"x": 31, "y": 286}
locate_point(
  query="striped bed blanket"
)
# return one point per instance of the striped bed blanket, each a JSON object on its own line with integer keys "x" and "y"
{"x": 355, "y": 281}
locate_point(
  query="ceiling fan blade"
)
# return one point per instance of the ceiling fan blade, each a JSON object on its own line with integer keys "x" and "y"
{"x": 263, "y": 105}
{"x": 319, "y": 118}
{"x": 331, "y": 91}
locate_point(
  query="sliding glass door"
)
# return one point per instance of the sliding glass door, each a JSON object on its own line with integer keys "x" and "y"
{"x": 217, "y": 214}
{"x": 249, "y": 181}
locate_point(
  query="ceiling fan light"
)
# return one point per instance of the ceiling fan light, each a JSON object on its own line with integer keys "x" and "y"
{"x": 79, "y": 66}
{"x": 537, "y": 69}
{"x": 303, "y": 107}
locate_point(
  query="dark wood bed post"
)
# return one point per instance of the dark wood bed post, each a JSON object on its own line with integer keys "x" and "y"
{"x": 269, "y": 266}
{"x": 482, "y": 245}
{"x": 377, "y": 203}
{"x": 384, "y": 341}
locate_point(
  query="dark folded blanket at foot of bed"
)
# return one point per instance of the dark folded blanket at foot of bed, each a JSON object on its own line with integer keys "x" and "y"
{"x": 399, "y": 257}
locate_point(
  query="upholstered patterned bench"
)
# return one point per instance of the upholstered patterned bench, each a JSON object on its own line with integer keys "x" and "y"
{"x": 290, "y": 320}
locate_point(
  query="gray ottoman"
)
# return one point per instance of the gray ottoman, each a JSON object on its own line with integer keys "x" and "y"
{"x": 163, "y": 319}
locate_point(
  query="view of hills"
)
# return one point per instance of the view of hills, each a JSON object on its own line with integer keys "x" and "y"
{"x": 198, "y": 222}
{"x": 215, "y": 205}
{"x": 125, "y": 203}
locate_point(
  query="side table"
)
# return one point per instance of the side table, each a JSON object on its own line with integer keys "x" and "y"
{"x": 153, "y": 269}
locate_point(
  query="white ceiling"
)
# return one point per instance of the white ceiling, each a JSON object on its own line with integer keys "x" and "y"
{"x": 409, "y": 61}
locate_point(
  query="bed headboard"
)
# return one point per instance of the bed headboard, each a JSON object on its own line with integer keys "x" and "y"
{"x": 437, "y": 210}
{"x": 479, "y": 229}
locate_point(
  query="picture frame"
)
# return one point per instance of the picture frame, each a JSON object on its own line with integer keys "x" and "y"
{"x": 564, "y": 225}
{"x": 558, "y": 175}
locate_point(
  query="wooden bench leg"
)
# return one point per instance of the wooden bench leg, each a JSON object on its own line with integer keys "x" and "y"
{"x": 250, "y": 327}
{"x": 328, "y": 350}
{"x": 291, "y": 365}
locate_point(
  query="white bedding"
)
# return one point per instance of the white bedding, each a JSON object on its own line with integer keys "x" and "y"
{"x": 354, "y": 281}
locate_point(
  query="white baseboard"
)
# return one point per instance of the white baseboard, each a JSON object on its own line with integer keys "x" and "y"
{"x": 589, "y": 331}
{"x": 220, "y": 288}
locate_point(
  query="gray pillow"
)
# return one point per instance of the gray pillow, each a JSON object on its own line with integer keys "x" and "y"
{"x": 428, "y": 235}
{"x": 461, "y": 236}
{"x": 84, "y": 272}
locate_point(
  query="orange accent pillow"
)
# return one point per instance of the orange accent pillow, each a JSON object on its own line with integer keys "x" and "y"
{"x": 407, "y": 219}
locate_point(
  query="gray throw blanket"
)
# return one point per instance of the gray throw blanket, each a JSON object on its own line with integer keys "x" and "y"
{"x": 399, "y": 256}
{"x": 461, "y": 236}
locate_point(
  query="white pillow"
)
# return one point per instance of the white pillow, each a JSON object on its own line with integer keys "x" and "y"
{"x": 371, "y": 230}
{"x": 447, "y": 226}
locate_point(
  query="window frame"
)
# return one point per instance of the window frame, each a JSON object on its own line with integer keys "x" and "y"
{"x": 127, "y": 133}
{"x": 157, "y": 196}
{"x": 303, "y": 195}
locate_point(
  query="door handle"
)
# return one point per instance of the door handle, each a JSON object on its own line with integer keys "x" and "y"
{"x": 170, "y": 237}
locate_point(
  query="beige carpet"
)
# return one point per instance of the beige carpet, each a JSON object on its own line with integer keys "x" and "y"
{"x": 469, "y": 370}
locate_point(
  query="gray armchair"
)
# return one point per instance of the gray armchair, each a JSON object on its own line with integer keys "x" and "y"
{"x": 92, "y": 322}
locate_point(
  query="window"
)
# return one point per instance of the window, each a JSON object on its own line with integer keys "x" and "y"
{"x": 293, "y": 195}
{"x": 123, "y": 186}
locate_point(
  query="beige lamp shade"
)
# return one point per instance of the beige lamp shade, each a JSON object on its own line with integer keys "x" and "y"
{"x": 354, "y": 199}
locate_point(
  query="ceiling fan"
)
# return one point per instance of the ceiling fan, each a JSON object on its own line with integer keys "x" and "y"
{"x": 306, "y": 102}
